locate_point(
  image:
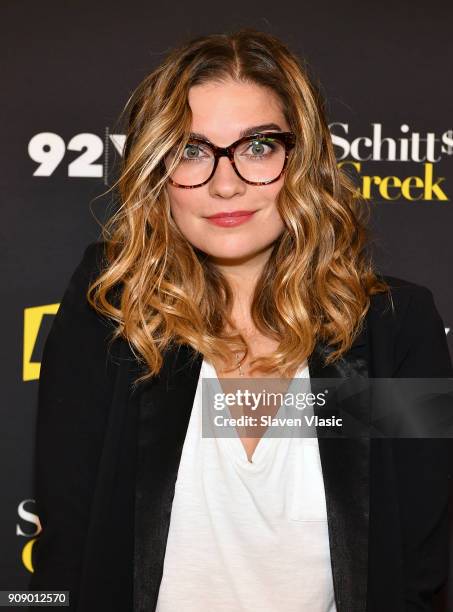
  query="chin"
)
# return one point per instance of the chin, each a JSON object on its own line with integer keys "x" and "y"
{"x": 232, "y": 254}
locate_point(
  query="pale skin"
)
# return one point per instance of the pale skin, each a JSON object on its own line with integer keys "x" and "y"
{"x": 220, "y": 111}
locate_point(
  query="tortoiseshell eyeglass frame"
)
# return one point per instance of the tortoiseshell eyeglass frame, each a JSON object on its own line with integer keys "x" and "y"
{"x": 288, "y": 139}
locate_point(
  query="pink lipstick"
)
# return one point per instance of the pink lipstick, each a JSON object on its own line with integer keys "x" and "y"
{"x": 231, "y": 219}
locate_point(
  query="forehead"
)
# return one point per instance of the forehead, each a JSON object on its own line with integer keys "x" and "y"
{"x": 221, "y": 111}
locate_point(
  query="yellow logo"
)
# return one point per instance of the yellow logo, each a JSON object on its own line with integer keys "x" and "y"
{"x": 410, "y": 188}
{"x": 32, "y": 323}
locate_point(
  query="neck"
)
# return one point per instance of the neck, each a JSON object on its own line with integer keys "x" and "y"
{"x": 242, "y": 274}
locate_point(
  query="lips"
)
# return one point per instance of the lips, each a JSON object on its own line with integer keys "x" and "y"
{"x": 231, "y": 218}
{"x": 234, "y": 213}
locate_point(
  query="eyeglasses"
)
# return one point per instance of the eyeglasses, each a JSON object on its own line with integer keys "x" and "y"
{"x": 259, "y": 159}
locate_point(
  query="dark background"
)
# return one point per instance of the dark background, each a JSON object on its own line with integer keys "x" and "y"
{"x": 68, "y": 68}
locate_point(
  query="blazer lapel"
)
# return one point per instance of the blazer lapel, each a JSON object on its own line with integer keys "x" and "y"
{"x": 164, "y": 409}
{"x": 345, "y": 468}
{"x": 165, "y": 406}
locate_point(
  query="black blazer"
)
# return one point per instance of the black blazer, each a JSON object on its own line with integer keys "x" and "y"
{"x": 107, "y": 459}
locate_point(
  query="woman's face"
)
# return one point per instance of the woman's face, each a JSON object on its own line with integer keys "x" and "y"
{"x": 220, "y": 112}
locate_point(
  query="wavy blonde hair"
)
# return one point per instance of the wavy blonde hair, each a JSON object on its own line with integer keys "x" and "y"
{"x": 318, "y": 279}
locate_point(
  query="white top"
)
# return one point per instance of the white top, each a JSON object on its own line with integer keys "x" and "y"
{"x": 247, "y": 536}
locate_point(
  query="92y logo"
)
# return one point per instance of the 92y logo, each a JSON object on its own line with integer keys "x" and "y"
{"x": 48, "y": 150}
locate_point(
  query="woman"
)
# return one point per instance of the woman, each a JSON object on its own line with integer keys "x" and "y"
{"x": 239, "y": 249}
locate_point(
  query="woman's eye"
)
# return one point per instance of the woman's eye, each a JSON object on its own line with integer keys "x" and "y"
{"x": 258, "y": 148}
{"x": 194, "y": 151}
{"x": 191, "y": 151}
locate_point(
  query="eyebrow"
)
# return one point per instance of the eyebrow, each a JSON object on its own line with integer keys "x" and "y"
{"x": 246, "y": 131}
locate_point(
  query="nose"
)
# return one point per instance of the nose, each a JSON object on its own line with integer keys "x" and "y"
{"x": 225, "y": 181}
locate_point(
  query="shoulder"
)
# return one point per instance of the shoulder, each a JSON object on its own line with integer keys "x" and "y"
{"x": 92, "y": 260}
{"x": 89, "y": 265}
{"x": 407, "y": 318}
{"x": 404, "y": 299}
{"x": 77, "y": 327}
{"x": 402, "y": 293}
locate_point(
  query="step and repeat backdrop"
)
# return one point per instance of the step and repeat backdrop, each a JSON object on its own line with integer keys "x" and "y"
{"x": 68, "y": 70}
